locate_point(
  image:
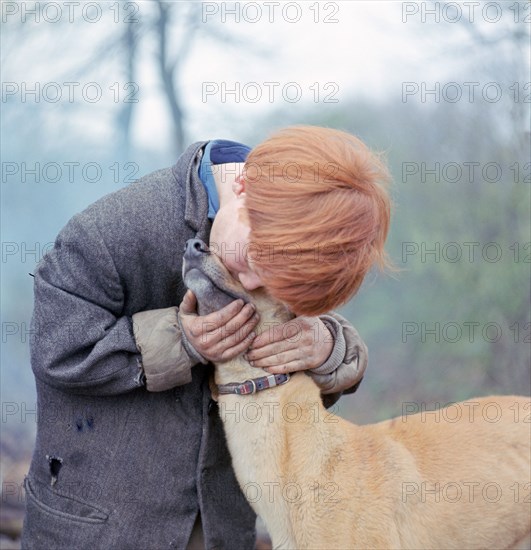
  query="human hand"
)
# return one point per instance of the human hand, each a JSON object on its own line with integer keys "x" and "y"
{"x": 220, "y": 335}
{"x": 300, "y": 344}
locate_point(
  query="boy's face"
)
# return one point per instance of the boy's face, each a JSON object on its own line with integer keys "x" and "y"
{"x": 229, "y": 239}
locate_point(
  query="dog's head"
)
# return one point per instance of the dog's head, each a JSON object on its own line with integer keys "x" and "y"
{"x": 214, "y": 287}
{"x": 211, "y": 282}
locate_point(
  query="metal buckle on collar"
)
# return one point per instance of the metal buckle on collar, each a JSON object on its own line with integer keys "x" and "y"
{"x": 257, "y": 384}
{"x": 253, "y": 383}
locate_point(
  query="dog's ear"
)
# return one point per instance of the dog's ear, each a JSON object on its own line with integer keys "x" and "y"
{"x": 213, "y": 387}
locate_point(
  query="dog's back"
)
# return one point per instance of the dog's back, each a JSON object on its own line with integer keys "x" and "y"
{"x": 458, "y": 476}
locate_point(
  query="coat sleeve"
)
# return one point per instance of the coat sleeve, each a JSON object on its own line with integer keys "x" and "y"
{"x": 167, "y": 356}
{"x": 343, "y": 371}
{"x": 82, "y": 343}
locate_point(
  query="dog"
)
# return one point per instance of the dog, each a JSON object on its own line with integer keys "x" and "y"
{"x": 318, "y": 481}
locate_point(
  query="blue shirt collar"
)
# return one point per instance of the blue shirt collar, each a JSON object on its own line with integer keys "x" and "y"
{"x": 218, "y": 151}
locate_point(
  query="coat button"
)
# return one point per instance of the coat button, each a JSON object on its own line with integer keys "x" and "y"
{"x": 212, "y": 407}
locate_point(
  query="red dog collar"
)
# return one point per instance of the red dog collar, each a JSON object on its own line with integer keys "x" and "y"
{"x": 255, "y": 384}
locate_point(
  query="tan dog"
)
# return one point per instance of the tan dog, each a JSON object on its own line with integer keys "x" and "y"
{"x": 457, "y": 479}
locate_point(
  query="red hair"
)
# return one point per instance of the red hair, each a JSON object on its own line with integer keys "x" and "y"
{"x": 319, "y": 215}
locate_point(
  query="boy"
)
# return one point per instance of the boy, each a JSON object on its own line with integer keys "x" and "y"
{"x": 130, "y": 450}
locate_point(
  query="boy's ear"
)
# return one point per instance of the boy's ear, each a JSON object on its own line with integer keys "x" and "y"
{"x": 238, "y": 186}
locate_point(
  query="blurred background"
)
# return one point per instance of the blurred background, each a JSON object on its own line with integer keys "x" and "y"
{"x": 98, "y": 94}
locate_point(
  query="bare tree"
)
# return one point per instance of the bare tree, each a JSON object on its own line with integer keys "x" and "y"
{"x": 169, "y": 66}
{"x": 125, "y": 115}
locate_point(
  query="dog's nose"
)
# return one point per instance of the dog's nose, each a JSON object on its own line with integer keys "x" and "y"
{"x": 195, "y": 248}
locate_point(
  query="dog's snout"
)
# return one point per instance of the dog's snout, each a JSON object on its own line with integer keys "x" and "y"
{"x": 195, "y": 248}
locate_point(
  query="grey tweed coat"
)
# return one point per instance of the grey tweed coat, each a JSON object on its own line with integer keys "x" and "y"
{"x": 116, "y": 465}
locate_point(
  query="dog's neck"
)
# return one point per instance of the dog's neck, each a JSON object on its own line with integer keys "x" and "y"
{"x": 272, "y": 313}
{"x": 257, "y": 444}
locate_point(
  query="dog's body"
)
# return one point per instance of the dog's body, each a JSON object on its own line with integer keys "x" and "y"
{"x": 456, "y": 480}
{"x": 318, "y": 481}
